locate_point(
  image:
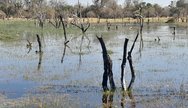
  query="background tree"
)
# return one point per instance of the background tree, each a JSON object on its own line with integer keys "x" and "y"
{"x": 182, "y": 6}
{"x": 98, "y": 6}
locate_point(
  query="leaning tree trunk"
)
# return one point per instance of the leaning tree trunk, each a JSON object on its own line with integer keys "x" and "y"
{"x": 107, "y": 68}
{"x": 39, "y": 42}
{"x": 64, "y": 29}
{"x": 131, "y": 65}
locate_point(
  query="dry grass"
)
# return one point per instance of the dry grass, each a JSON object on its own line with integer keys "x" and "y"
{"x": 39, "y": 101}
{"x": 102, "y": 20}
{"x": 124, "y": 20}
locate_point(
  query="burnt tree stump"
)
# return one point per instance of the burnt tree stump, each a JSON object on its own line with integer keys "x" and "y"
{"x": 40, "y": 51}
{"x": 39, "y": 42}
{"x": 107, "y": 67}
{"x": 124, "y": 64}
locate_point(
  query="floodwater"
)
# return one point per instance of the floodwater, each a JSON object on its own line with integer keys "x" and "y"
{"x": 161, "y": 67}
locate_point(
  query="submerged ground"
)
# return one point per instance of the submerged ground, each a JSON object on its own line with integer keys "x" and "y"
{"x": 32, "y": 80}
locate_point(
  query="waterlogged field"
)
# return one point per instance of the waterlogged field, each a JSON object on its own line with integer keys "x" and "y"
{"x": 71, "y": 77}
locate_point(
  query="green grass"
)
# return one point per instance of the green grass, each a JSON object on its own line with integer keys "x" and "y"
{"x": 11, "y": 30}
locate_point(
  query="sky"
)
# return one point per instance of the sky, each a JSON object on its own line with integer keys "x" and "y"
{"x": 85, "y": 2}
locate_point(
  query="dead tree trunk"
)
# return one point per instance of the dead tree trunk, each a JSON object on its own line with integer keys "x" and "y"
{"x": 124, "y": 64}
{"x": 40, "y": 51}
{"x": 39, "y": 42}
{"x": 174, "y": 33}
{"x": 57, "y": 25}
{"x": 148, "y": 17}
{"x": 64, "y": 29}
{"x": 107, "y": 68}
{"x": 131, "y": 65}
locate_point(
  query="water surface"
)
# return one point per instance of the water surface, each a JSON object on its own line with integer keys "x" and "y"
{"x": 160, "y": 66}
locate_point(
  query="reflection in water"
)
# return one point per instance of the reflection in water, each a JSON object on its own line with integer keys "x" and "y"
{"x": 148, "y": 28}
{"x": 80, "y": 48}
{"x": 174, "y": 36}
{"x": 89, "y": 42}
{"x": 174, "y": 33}
{"x": 40, "y": 60}
{"x": 141, "y": 46}
{"x": 64, "y": 51}
{"x": 40, "y": 50}
{"x": 80, "y": 51}
{"x": 107, "y": 99}
{"x": 131, "y": 97}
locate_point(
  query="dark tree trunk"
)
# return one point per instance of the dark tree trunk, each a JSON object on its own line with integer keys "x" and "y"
{"x": 174, "y": 33}
{"x": 39, "y": 42}
{"x": 107, "y": 68}
{"x": 64, "y": 28}
{"x": 124, "y": 64}
{"x": 132, "y": 71}
{"x": 148, "y": 17}
{"x": 39, "y": 52}
{"x": 131, "y": 65}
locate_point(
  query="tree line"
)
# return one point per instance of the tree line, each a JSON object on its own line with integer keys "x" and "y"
{"x": 50, "y": 9}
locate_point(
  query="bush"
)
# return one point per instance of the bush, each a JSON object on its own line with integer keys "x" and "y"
{"x": 171, "y": 20}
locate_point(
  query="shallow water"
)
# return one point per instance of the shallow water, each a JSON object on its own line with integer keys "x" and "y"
{"x": 160, "y": 66}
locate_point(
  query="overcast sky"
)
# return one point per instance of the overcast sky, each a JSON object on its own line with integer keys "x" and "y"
{"x": 85, "y": 2}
